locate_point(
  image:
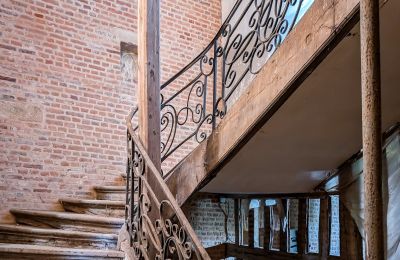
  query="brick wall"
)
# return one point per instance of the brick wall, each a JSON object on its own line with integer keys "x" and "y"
{"x": 63, "y": 97}
{"x": 210, "y": 218}
{"x": 191, "y": 35}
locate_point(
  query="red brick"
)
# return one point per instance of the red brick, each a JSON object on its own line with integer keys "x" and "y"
{"x": 64, "y": 58}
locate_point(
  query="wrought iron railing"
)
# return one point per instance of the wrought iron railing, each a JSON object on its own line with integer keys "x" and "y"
{"x": 197, "y": 97}
{"x": 157, "y": 227}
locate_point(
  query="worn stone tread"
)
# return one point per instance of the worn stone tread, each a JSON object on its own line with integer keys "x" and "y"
{"x": 9, "y": 251}
{"x": 111, "y": 208}
{"x": 23, "y": 229}
{"x": 22, "y": 234}
{"x": 116, "y": 193}
{"x": 94, "y": 203}
{"x": 119, "y": 188}
{"x": 68, "y": 220}
{"x": 68, "y": 216}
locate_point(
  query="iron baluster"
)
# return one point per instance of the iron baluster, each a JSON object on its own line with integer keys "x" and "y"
{"x": 251, "y": 33}
{"x": 214, "y": 109}
{"x": 158, "y": 228}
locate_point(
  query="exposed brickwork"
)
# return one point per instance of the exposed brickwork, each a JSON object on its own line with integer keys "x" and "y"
{"x": 208, "y": 216}
{"x": 63, "y": 97}
{"x": 199, "y": 22}
{"x": 187, "y": 26}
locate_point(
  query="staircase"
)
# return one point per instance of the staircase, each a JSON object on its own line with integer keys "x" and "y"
{"x": 216, "y": 103}
{"x": 280, "y": 71}
{"x": 157, "y": 227}
{"x": 87, "y": 229}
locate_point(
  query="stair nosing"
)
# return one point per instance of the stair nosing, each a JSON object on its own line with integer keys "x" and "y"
{"x": 10, "y": 228}
{"x": 69, "y": 216}
{"x": 93, "y": 202}
{"x": 53, "y": 250}
{"x": 110, "y": 188}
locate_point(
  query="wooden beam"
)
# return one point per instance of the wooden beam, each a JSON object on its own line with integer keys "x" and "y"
{"x": 149, "y": 93}
{"x": 267, "y": 228}
{"x": 324, "y": 227}
{"x": 316, "y": 194}
{"x": 236, "y": 212}
{"x": 265, "y": 94}
{"x": 302, "y": 227}
{"x": 218, "y": 251}
{"x": 282, "y": 208}
{"x": 247, "y": 253}
{"x": 350, "y": 238}
{"x": 149, "y": 78}
{"x": 251, "y": 227}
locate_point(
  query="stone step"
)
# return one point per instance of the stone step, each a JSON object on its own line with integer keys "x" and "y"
{"x": 23, "y": 251}
{"x": 68, "y": 221}
{"x": 116, "y": 193}
{"x": 107, "y": 208}
{"x": 21, "y": 234}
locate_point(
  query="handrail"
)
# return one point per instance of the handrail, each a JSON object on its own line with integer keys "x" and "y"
{"x": 209, "y": 46}
{"x": 195, "y": 99}
{"x": 160, "y": 236}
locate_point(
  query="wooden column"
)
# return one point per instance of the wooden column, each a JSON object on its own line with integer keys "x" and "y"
{"x": 251, "y": 228}
{"x": 149, "y": 77}
{"x": 302, "y": 227}
{"x": 350, "y": 237}
{"x": 324, "y": 227}
{"x": 371, "y": 128}
{"x": 149, "y": 91}
{"x": 267, "y": 228}
{"x": 283, "y": 247}
{"x": 236, "y": 212}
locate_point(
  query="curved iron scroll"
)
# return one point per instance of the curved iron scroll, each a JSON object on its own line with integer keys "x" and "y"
{"x": 197, "y": 96}
{"x": 157, "y": 227}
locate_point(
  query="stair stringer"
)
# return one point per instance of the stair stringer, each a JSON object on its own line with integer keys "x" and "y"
{"x": 323, "y": 26}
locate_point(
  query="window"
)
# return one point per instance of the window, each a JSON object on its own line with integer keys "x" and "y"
{"x": 334, "y": 249}
{"x": 128, "y": 62}
{"x": 313, "y": 225}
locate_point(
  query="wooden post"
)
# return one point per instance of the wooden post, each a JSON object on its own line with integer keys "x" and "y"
{"x": 302, "y": 227}
{"x": 149, "y": 90}
{"x": 149, "y": 78}
{"x": 324, "y": 227}
{"x": 371, "y": 128}
{"x": 282, "y": 206}
{"x": 267, "y": 227}
{"x": 251, "y": 228}
{"x": 350, "y": 237}
{"x": 236, "y": 212}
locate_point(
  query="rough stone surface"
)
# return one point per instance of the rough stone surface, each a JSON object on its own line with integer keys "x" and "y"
{"x": 21, "y": 112}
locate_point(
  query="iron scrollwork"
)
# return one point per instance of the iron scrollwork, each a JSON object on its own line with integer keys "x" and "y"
{"x": 155, "y": 226}
{"x": 192, "y": 102}
{"x": 196, "y": 97}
